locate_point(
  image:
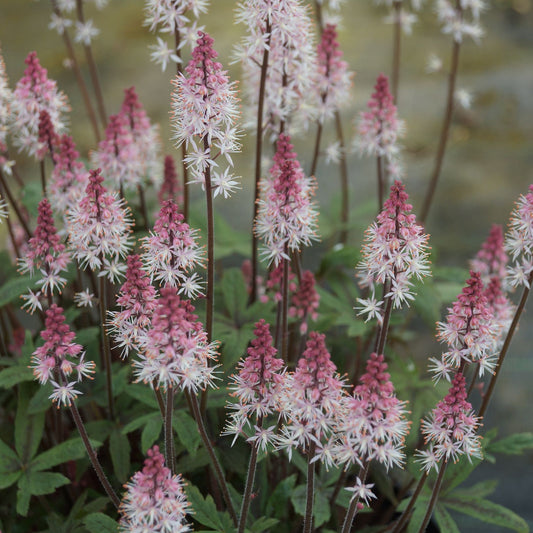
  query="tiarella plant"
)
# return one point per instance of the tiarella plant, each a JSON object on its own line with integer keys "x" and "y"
{"x": 298, "y": 393}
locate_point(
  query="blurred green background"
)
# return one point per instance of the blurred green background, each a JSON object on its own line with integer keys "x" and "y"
{"x": 489, "y": 160}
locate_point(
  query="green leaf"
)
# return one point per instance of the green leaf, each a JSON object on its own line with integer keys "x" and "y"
{"x": 9, "y": 478}
{"x": 427, "y": 302}
{"x": 9, "y": 461}
{"x": 234, "y": 291}
{"x": 444, "y": 520}
{"x": 40, "y": 483}
{"x": 458, "y": 472}
{"x": 12, "y": 289}
{"x": 142, "y": 393}
{"x": 100, "y": 523}
{"x": 514, "y": 444}
{"x": 119, "y": 447}
{"x": 9, "y": 377}
{"x": 187, "y": 431}
{"x": 40, "y": 401}
{"x": 205, "y": 510}
{"x": 479, "y": 490}
{"x": 276, "y": 505}
{"x": 263, "y": 523}
{"x": 488, "y": 511}
{"x": 69, "y": 450}
{"x": 139, "y": 422}
{"x": 151, "y": 432}
{"x": 28, "y": 428}
{"x": 23, "y": 497}
{"x": 321, "y": 507}
{"x": 32, "y": 194}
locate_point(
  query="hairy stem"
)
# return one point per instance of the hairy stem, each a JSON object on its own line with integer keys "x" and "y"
{"x": 14, "y": 204}
{"x": 106, "y": 349}
{"x": 169, "y": 437}
{"x": 352, "y": 509}
{"x": 250, "y": 477}
{"x": 93, "y": 72}
{"x": 444, "y": 134}
{"x": 505, "y": 347}
{"x": 434, "y": 497}
{"x": 211, "y": 451}
{"x": 400, "y": 524}
{"x": 79, "y": 78}
{"x": 397, "y": 40}
{"x": 310, "y": 493}
{"x": 258, "y": 155}
{"x": 92, "y": 456}
{"x": 343, "y": 169}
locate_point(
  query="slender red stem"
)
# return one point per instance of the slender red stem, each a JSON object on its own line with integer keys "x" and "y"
{"x": 434, "y": 497}
{"x": 444, "y": 134}
{"x": 258, "y": 154}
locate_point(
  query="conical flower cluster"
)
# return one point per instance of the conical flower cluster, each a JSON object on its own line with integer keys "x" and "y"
{"x": 395, "y": 251}
{"x": 154, "y": 499}
{"x": 60, "y": 360}
{"x": 171, "y": 252}
{"x": 204, "y": 111}
{"x": 175, "y": 351}
{"x": 451, "y": 428}
{"x": 468, "y": 331}
{"x": 99, "y": 229}
{"x": 373, "y": 425}
{"x": 286, "y": 216}
{"x": 35, "y": 93}
{"x": 310, "y": 400}
{"x": 255, "y": 386}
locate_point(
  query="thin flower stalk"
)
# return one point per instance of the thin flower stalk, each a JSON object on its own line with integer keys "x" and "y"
{"x": 459, "y": 20}
{"x": 361, "y": 491}
{"x": 15, "y": 205}
{"x": 58, "y": 21}
{"x": 333, "y": 91}
{"x": 255, "y": 387}
{"x": 519, "y": 245}
{"x": 85, "y": 32}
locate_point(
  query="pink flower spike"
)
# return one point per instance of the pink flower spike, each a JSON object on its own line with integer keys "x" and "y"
{"x": 154, "y": 499}
{"x": 491, "y": 258}
{"x": 334, "y": 80}
{"x": 137, "y": 300}
{"x": 171, "y": 252}
{"x": 286, "y": 216}
{"x": 47, "y": 136}
{"x": 374, "y": 425}
{"x": 35, "y": 93}
{"x": 129, "y": 154}
{"x": 69, "y": 177}
{"x": 310, "y": 399}
{"x": 292, "y": 64}
{"x": 99, "y": 228}
{"x": 255, "y": 385}
{"x": 305, "y": 300}
{"x": 59, "y": 358}
{"x": 171, "y": 188}
{"x": 174, "y": 350}
{"x": 451, "y": 428}
{"x": 395, "y": 250}
{"x": 204, "y": 111}
{"x": 46, "y": 253}
{"x": 519, "y": 241}
{"x": 379, "y": 128}
{"x": 469, "y": 330}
